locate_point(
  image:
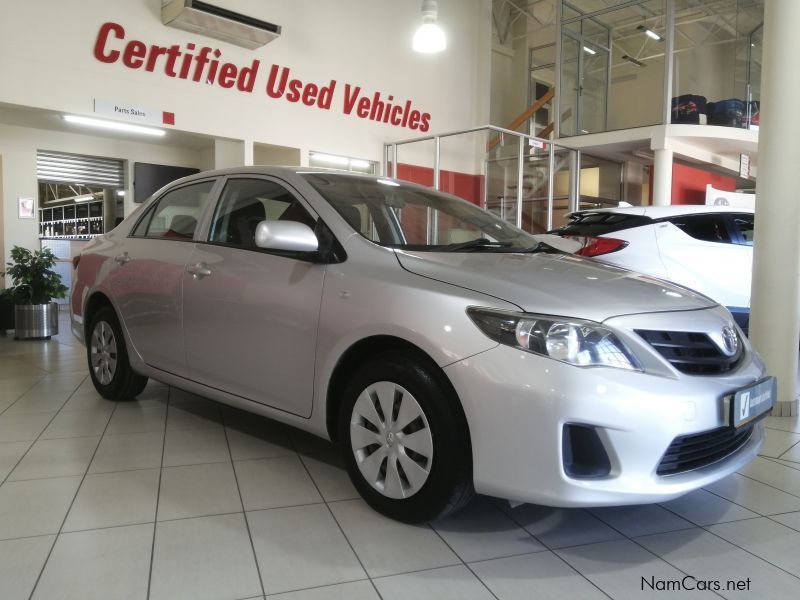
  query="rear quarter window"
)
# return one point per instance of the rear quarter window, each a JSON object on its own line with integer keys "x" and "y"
{"x": 706, "y": 228}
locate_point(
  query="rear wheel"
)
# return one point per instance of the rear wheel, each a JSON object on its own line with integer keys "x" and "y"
{"x": 109, "y": 367}
{"x": 405, "y": 441}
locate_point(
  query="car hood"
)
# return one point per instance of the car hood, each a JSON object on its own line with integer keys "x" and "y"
{"x": 554, "y": 284}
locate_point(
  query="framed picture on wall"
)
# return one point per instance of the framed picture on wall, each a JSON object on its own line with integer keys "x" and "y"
{"x": 27, "y": 208}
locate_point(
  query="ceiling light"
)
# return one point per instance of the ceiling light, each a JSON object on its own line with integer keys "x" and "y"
{"x": 429, "y": 38}
{"x": 84, "y": 198}
{"x": 650, "y": 33}
{"x": 359, "y": 164}
{"x": 630, "y": 59}
{"x": 121, "y": 193}
{"x": 115, "y": 125}
{"x": 589, "y": 50}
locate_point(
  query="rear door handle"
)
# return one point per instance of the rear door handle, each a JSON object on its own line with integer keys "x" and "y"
{"x": 199, "y": 270}
{"x": 122, "y": 258}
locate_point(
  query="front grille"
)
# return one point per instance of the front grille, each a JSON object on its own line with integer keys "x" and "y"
{"x": 690, "y": 352}
{"x": 689, "y": 452}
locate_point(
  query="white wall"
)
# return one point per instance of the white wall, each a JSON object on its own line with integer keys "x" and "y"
{"x": 47, "y": 61}
{"x": 18, "y": 146}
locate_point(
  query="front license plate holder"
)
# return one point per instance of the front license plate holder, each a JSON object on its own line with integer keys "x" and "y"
{"x": 749, "y": 403}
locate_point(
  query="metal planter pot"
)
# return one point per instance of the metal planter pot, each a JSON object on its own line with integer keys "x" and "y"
{"x": 35, "y": 321}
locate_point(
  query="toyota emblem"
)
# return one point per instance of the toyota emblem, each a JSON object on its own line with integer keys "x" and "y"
{"x": 730, "y": 340}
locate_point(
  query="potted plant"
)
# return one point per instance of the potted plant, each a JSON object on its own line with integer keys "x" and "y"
{"x": 34, "y": 285}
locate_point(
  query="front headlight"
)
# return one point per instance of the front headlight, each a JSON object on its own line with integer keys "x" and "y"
{"x": 577, "y": 342}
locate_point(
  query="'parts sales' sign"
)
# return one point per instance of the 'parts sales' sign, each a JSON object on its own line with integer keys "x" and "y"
{"x": 205, "y": 65}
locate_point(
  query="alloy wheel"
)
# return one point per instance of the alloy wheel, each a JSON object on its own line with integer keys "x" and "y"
{"x": 391, "y": 440}
{"x": 103, "y": 353}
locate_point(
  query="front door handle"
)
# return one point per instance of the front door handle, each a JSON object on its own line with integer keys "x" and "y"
{"x": 199, "y": 270}
{"x": 122, "y": 258}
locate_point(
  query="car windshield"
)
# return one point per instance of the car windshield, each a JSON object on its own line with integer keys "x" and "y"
{"x": 408, "y": 217}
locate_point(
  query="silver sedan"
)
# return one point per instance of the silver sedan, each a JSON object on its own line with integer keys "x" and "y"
{"x": 445, "y": 350}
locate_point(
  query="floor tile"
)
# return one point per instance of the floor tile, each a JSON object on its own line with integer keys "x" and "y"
{"x": 777, "y": 442}
{"x": 127, "y": 452}
{"x": 412, "y": 547}
{"x": 769, "y": 472}
{"x": 137, "y": 419}
{"x": 103, "y": 563}
{"x": 195, "y": 413}
{"x": 56, "y": 458}
{"x": 706, "y": 556}
{"x": 198, "y": 490}
{"x": 783, "y": 423}
{"x": 641, "y": 520}
{"x": 195, "y": 446}
{"x": 300, "y": 547}
{"x": 562, "y": 527}
{"x": 275, "y": 482}
{"x": 49, "y": 395}
{"x": 447, "y": 583}
{"x": 79, "y": 423}
{"x": 113, "y": 499}
{"x": 356, "y": 590}
{"x": 619, "y": 567}
{"x": 704, "y": 508}
{"x": 21, "y": 561}
{"x": 765, "y": 538}
{"x": 258, "y": 443}
{"x": 10, "y": 453}
{"x": 35, "y": 507}
{"x": 540, "y": 575}
{"x": 204, "y": 558}
{"x": 754, "y": 495}
{"x": 23, "y": 427}
{"x": 791, "y": 519}
{"x": 87, "y": 399}
{"x": 793, "y": 453}
{"x": 330, "y": 476}
{"x": 481, "y": 531}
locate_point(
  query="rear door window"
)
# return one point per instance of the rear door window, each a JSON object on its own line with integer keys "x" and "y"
{"x": 176, "y": 213}
{"x": 707, "y": 228}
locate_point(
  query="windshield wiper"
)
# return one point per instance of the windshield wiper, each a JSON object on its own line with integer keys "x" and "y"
{"x": 543, "y": 247}
{"x": 473, "y": 245}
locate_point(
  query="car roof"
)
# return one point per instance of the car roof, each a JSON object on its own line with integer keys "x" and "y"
{"x": 673, "y": 210}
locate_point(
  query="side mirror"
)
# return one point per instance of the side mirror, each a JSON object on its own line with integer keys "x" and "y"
{"x": 290, "y": 236}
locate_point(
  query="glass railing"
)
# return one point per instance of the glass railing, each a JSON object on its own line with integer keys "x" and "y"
{"x": 530, "y": 182}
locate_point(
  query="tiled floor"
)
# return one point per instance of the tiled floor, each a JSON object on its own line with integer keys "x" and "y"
{"x": 173, "y": 496}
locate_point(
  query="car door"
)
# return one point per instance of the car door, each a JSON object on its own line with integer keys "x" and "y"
{"x": 147, "y": 276}
{"x": 250, "y": 315}
{"x": 698, "y": 252}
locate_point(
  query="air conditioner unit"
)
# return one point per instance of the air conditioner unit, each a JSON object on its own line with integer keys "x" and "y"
{"x": 219, "y": 23}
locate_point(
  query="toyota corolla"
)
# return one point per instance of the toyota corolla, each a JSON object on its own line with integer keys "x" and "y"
{"x": 446, "y": 351}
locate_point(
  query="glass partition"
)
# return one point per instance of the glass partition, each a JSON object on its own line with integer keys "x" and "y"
{"x": 614, "y": 57}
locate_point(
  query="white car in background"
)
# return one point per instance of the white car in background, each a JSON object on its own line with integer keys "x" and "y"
{"x": 705, "y": 248}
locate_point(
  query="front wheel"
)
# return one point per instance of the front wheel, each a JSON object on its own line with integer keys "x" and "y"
{"x": 405, "y": 440}
{"x": 109, "y": 366}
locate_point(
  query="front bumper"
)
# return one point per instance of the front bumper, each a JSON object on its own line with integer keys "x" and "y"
{"x": 518, "y": 403}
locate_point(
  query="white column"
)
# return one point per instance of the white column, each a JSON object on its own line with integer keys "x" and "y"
{"x": 662, "y": 177}
{"x": 774, "y": 320}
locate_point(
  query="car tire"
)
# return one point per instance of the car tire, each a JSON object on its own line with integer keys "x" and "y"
{"x": 109, "y": 367}
{"x": 405, "y": 439}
